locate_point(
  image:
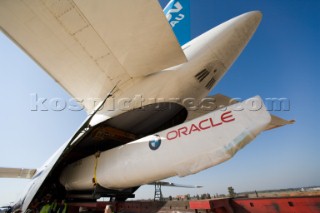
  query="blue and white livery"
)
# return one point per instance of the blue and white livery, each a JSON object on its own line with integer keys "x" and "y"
{"x": 178, "y": 15}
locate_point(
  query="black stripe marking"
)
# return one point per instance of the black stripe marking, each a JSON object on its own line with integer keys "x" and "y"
{"x": 210, "y": 83}
{"x": 202, "y": 75}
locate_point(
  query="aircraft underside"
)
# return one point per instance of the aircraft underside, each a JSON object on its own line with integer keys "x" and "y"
{"x": 107, "y": 135}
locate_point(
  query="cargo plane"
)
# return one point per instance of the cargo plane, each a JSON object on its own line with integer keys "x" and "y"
{"x": 144, "y": 85}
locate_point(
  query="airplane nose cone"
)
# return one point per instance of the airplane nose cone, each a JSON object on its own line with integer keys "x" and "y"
{"x": 229, "y": 38}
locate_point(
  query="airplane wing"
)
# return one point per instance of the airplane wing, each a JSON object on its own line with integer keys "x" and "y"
{"x": 221, "y": 101}
{"x": 164, "y": 183}
{"x": 17, "y": 173}
{"x": 90, "y": 46}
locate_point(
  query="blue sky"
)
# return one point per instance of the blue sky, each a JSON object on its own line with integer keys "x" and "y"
{"x": 281, "y": 61}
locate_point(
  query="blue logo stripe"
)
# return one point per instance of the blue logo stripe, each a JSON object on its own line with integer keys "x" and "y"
{"x": 178, "y": 15}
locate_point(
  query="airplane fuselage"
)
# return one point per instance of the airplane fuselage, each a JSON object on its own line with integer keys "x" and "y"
{"x": 209, "y": 57}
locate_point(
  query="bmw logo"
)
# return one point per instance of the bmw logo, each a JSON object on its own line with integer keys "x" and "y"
{"x": 155, "y": 143}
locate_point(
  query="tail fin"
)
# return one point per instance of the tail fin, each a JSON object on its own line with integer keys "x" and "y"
{"x": 178, "y": 15}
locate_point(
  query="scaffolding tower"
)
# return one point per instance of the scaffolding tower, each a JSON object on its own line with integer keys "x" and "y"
{"x": 157, "y": 192}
